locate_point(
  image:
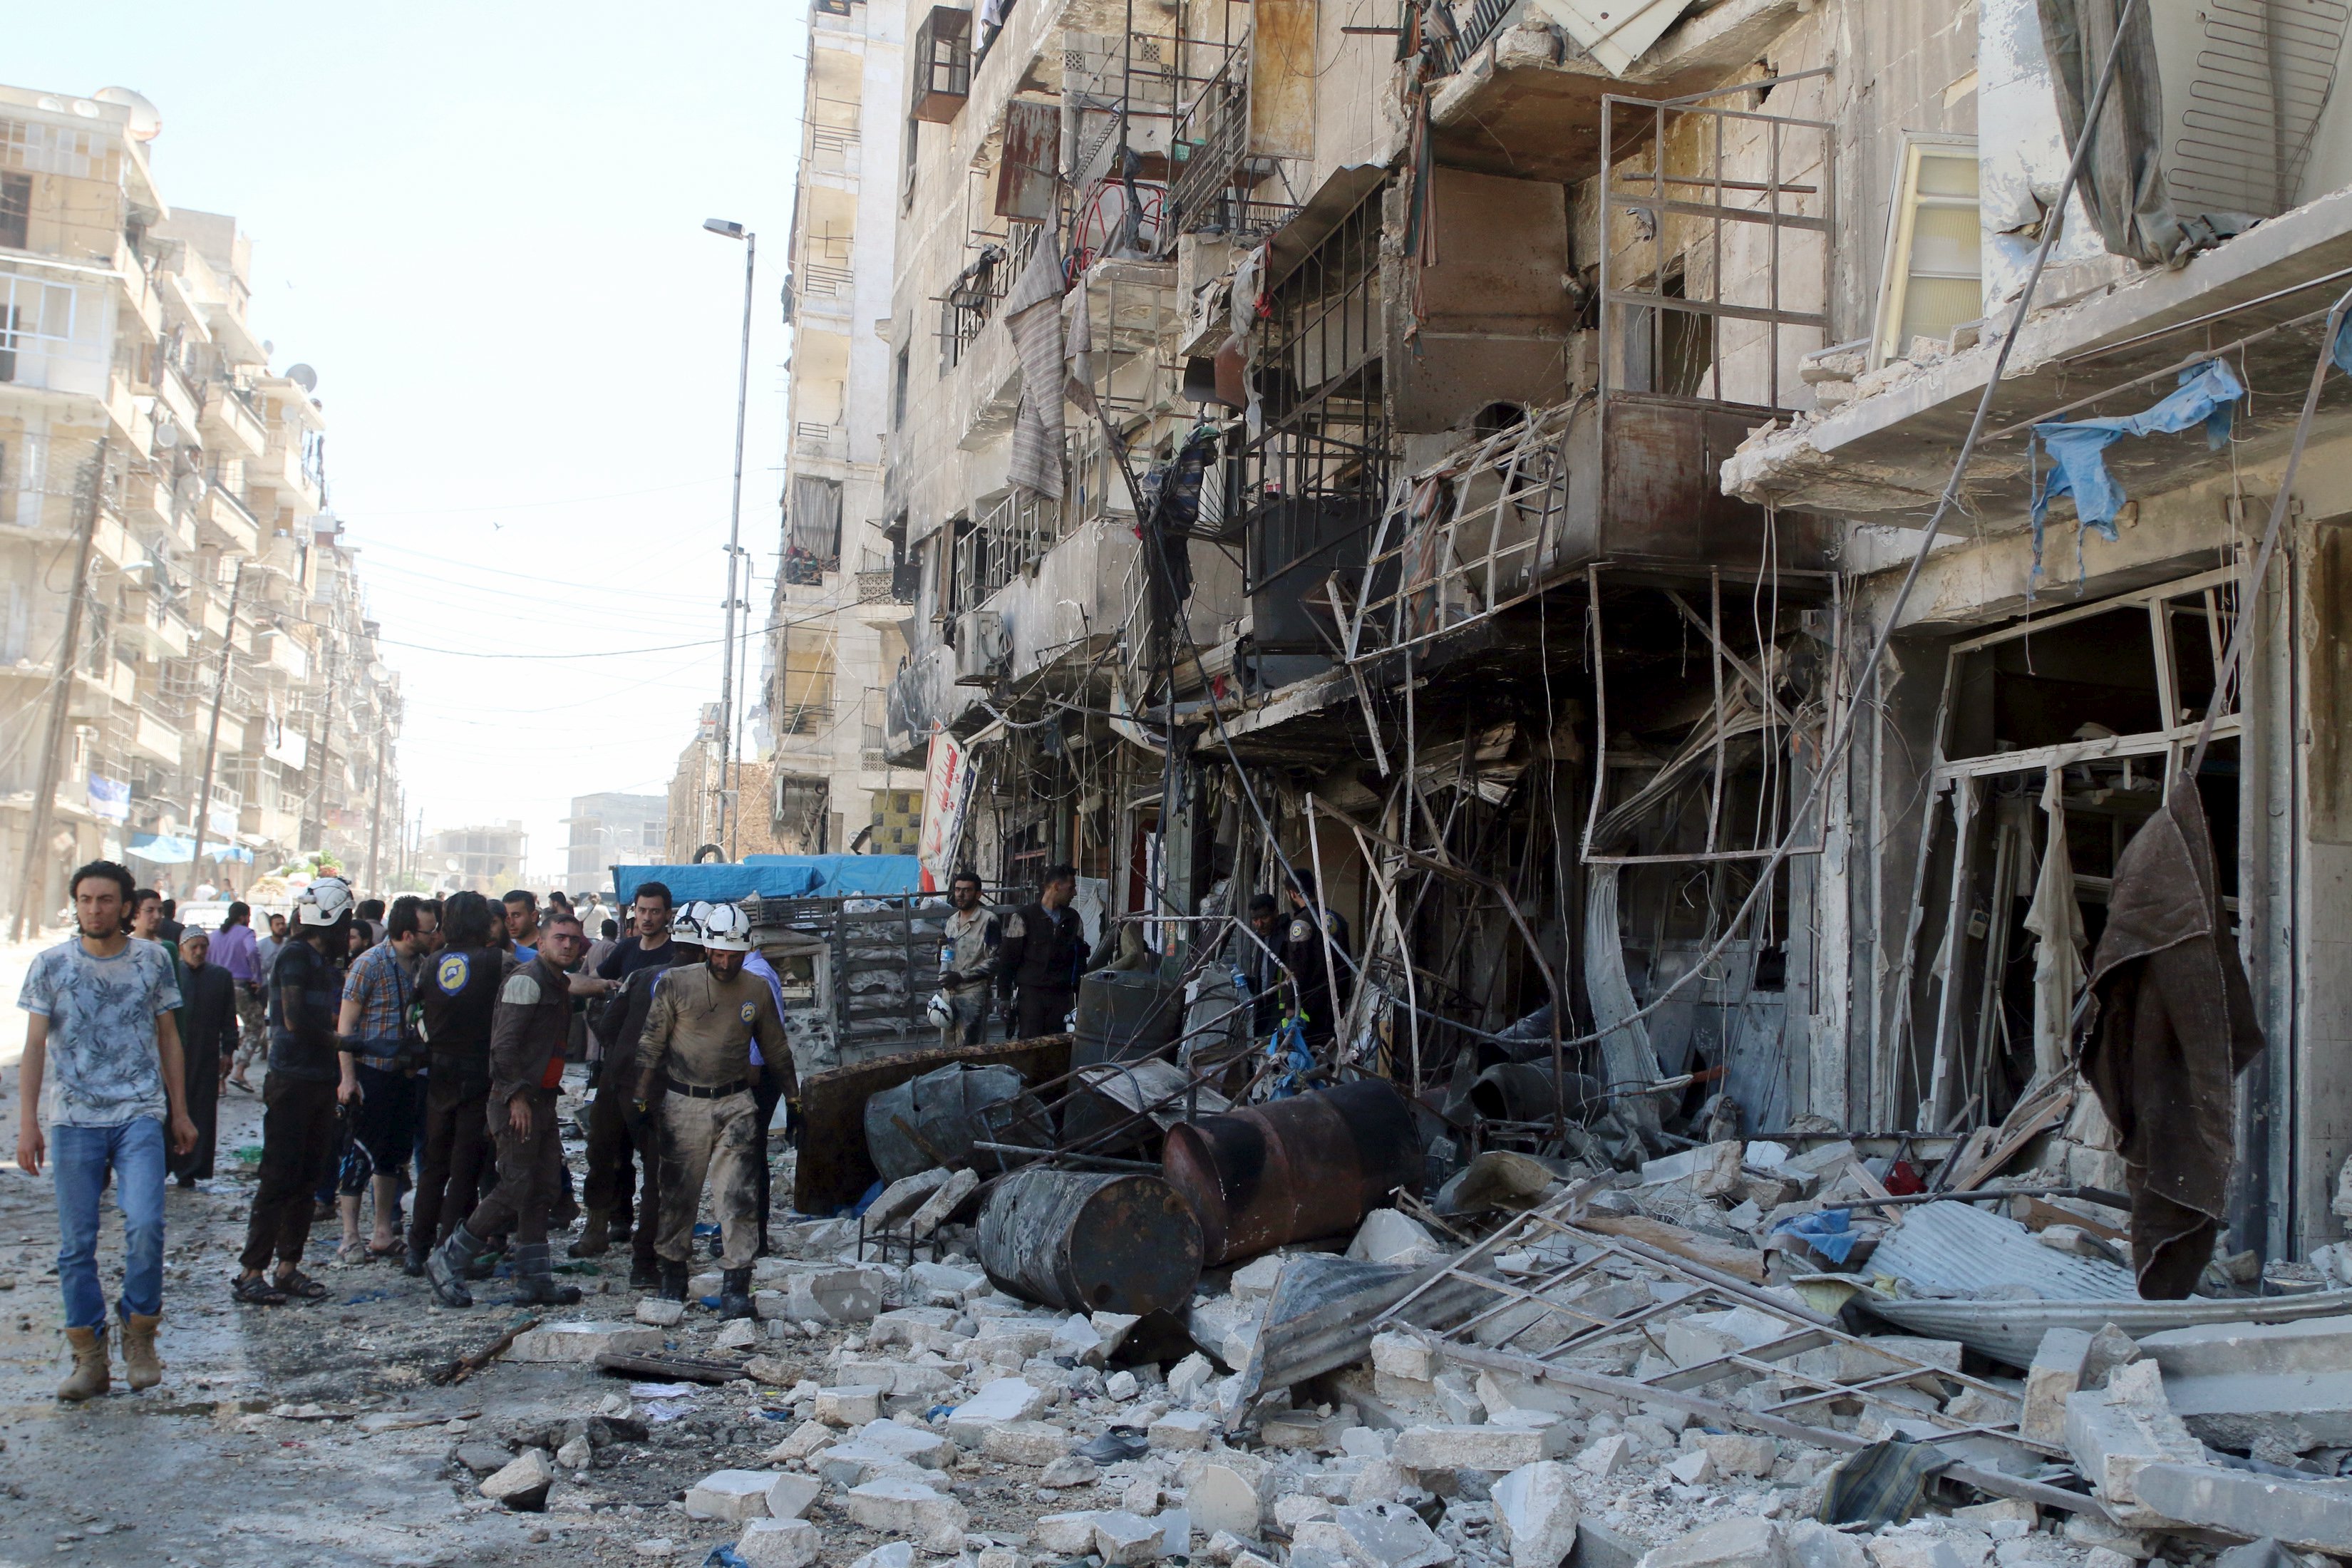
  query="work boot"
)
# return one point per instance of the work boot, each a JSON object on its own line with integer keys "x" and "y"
{"x": 735, "y": 1293}
{"x": 90, "y": 1377}
{"x": 412, "y": 1262}
{"x": 486, "y": 1257}
{"x": 672, "y": 1280}
{"x": 596, "y": 1237}
{"x": 535, "y": 1272}
{"x": 448, "y": 1266}
{"x": 644, "y": 1274}
{"x": 140, "y": 1367}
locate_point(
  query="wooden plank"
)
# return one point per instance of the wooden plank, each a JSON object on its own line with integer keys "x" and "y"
{"x": 2014, "y": 1136}
{"x": 1739, "y": 1262}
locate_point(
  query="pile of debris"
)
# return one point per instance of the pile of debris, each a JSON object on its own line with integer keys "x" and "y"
{"x": 1745, "y": 1353}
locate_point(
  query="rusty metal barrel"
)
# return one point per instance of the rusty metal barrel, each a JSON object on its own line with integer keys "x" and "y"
{"x": 1293, "y": 1169}
{"x": 1090, "y": 1243}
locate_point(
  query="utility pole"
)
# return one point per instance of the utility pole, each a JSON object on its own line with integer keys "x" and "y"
{"x": 375, "y": 817}
{"x": 726, "y": 835}
{"x": 61, "y": 699}
{"x": 202, "y": 813}
{"x": 326, "y": 747}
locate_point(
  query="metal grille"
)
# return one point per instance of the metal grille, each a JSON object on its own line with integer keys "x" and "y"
{"x": 2254, "y": 103}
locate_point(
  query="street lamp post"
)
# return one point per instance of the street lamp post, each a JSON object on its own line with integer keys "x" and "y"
{"x": 728, "y": 833}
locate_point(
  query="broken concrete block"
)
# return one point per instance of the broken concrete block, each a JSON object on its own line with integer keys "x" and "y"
{"x": 1456, "y": 1401}
{"x": 1069, "y": 1470}
{"x": 943, "y": 1284}
{"x": 1981, "y": 1407}
{"x": 1389, "y": 1237}
{"x": 739, "y": 1334}
{"x": 2313, "y": 1516}
{"x": 1121, "y": 1386}
{"x": 1305, "y": 1430}
{"x": 2236, "y": 1382}
{"x": 522, "y": 1483}
{"x": 1816, "y": 1545}
{"x": 1182, "y": 1431}
{"x": 1257, "y": 1278}
{"x": 805, "y": 1439}
{"x": 1735, "y": 1453}
{"x": 1917, "y": 1546}
{"x": 2110, "y": 1348}
{"x": 844, "y": 1295}
{"x": 910, "y": 1445}
{"x": 1705, "y": 1336}
{"x": 853, "y": 1404}
{"x": 1378, "y": 1535}
{"x": 920, "y": 1327}
{"x": 936, "y": 1208}
{"x": 1536, "y": 1514}
{"x": 2054, "y": 1376}
{"x": 1742, "y": 1542}
{"x": 1226, "y": 1328}
{"x": 1402, "y": 1355}
{"x": 731, "y": 1495}
{"x": 1025, "y": 1442}
{"x": 1606, "y": 1456}
{"x": 660, "y": 1314}
{"x": 909, "y": 1509}
{"x": 1079, "y": 1340}
{"x": 1381, "y": 1480}
{"x": 1114, "y": 1328}
{"x": 1479, "y": 1447}
{"x": 575, "y": 1455}
{"x": 1066, "y": 1534}
{"x": 897, "y": 1555}
{"x": 581, "y": 1343}
{"x": 1189, "y": 1379}
{"x": 2116, "y": 1432}
{"x": 904, "y": 1197}
{"x": 1220, "y": 1497}
{"x": 1694, "y": 1468}
{"x": 1120, "y": 1538}
{"x": 789, "y": 1495}
{"x": 999, "y": 1403}
{"x": 777, "y": 1544}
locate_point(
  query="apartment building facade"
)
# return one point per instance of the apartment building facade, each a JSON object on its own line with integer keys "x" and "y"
{"x": 606, "y": 829}
{"x": 1470, "y": 454}
{"x": 220, "y": 620}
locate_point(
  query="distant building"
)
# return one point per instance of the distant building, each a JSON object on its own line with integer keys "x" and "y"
{"x": 487, "y": 858}
{"x": 607, "y": 829}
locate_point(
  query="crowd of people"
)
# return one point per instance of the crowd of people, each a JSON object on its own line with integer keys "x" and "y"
{"x": 414, "y": 1056}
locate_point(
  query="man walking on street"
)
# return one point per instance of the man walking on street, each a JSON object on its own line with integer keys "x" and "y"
{"x": 966, "y": 961}
{"x": 1041, "y": 956}
{"x": 700, "y": 1033}
{"x": 528, "y": 1032}
{"x": 621, "y": 1138}
{"x": 460, "y": 992}
{"x": 378, "y": 1085}
{"x": 298, "y": 1098}
{"x": 100, "y": 1005}
{"x": 265, "y": 962}
{"x": 649, "y": 917}
{"x": 523, "y": 923}
{"x": 237, "y": 953}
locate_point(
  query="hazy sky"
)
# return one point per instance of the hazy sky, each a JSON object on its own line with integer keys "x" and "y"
{"x": 482, "y": 222}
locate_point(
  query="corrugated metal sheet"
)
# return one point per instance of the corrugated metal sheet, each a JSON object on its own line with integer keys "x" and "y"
{"x": 1960, "y": 1249}
{"x": 1028, "y": 169}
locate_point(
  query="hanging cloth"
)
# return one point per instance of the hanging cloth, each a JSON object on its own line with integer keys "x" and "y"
{"x": 2123, "y": 180}
{"x": 1033, "y": 314}
{"x": 2056, "y": 919}
{"x": 2207, "y": 396}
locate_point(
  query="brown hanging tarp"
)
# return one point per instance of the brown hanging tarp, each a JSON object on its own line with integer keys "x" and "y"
{"x": 2123, "y": 183}
{"x": 2171, "y": 1025}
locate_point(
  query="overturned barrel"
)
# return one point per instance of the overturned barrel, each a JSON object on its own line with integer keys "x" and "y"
{"x": 1293, "y": 1169}
{"x": 1527, "y": 1091}
{"x": 1090, "y": 1243}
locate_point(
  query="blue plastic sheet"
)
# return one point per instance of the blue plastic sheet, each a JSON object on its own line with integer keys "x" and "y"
{"x": 2207, "y": 396}
{"x": 1825, "y": 1231}
{"x": 777, "y": 876}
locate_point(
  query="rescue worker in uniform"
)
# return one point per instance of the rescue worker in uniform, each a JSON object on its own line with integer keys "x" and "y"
{"x": 1040, "y": 957}
{"x": 528, "y": 1032}
{"x": 966, "y": 961}
{"x": 620, "y": 1137}
{"x": 1315, "y": 968}
{"x": 700, "y": 1034}
{"x": 456, "y": 995}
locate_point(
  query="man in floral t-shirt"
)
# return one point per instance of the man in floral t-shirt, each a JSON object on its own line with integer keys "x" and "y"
{"x": 101, "y": 1006}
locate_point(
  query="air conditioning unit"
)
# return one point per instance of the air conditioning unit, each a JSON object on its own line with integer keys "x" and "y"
{"x": 983, "y": 647}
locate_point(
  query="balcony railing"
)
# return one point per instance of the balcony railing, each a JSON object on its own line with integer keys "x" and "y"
{"x": 811, "y": 439}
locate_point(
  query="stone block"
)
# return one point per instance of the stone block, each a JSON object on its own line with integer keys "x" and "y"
{"x": 1705, "y": 1336}
{"x": 1403, "y": 1355}
{"x": 1305, "y": 1431}
{"x": 1606, "y": 1456}
{"x": 1035, "y": 1443}
{"x": 1381, "y": 1480}
{"x": 2116, "y": 1432}
{"x": 2312, "y": 1516}
{"x": 1536, "y": 1514}
{"x": 1388, "y": 1236}
{"x": 1742, "y": 1542}
{"x": 846, "y": 1295}
{"x": 1980, "y": 1407}
{"x": 850, "y": 1405}
{"x": 1220, "y": 1497}
{"x": 920, "y": 1327}
{"x": 1479, "y": 1447}
{"x": 904, "y": 1197}
{"x": 581, "y": 1343}
{"x": 1694, "y": 1468}
{"x": 944, "y": 1284}
{"x": 1070, "y": 1470}
{"x": 1066, "y": 1534}
{"x": 1226, "y": 1328}
{"x": 911, "y": 1444}
{"x": 733, "y": 1496}
{"x": 911, "y": 1510}
{"x": 1114, "y": 1328}
{"x": 2055, "y": 1376}
{"x": 659, "y": 1313}
{"x": 1735, "y": 1453}
{"x": 1816, "y": 1545}
{"x": 777, "y": 1544}
{"x": 1120, "y": 1538}
{"x": 790, "y": 1495}
{"x": 739, "y": 1334}
{"x": 1078, "y": 1339}
{"x": 1121, "y": 1386}
{"x": 936, "y": 1208}
{"x": 1916, "y": 1547}
{"x": 522, "y": 1482}
{"x": 999, "y": 1403}
{"x": 1378, "y": 1535}
{"x": 803, "y": 1441}
{"x": 2235, "y": 1383}
{"x": 1189, "y": 1380}
{"x": 1182, "y": 1431}
{"x": 894, "y": 1554}
{"x": 1255, "y": 1279}
{"x": 853, "y": 1464}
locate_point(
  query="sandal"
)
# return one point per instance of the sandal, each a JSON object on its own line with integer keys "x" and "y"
{"x": 389, "y": 1250}
{"x": 297, "y": 1283}
{"x": 352, "y": 1256}
{"x": 256, "y": 1291}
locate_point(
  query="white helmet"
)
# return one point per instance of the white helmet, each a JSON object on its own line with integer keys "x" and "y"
{"x": 940, "y": 1010}
{"x": 726, "y": 929}
{"x": 686, "y": 926}
{"x": 326, "y": 900}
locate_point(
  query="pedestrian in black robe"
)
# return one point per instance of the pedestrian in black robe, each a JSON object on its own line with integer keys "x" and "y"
{"x": 208, "y": 1032}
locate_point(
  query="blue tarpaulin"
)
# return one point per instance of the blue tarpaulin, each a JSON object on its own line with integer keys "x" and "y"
{"x": 172, "y": 850}
{"x": 778, "y": 877}
{"x": 2207, "y": 396}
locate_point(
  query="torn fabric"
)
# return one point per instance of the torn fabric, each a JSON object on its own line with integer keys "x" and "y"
{"x": 1033, "y": 314}
{"x": 2055, "y": 921}
{"x": 2207, "y": 396}
{"x": 1625, "y": 1054}
{"x": 1078, "y": 347}
{"x": 2123, "y": 180}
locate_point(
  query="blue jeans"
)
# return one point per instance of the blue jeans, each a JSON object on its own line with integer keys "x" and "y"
{"x": 79, "y": 1157}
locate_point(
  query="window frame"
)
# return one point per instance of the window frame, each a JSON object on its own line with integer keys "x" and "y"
{"x": 1902, "y": 211}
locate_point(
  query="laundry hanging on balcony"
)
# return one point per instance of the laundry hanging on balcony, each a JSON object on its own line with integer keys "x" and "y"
{"x": 2207, "y": 396}
{"x": 1033, "y": 314}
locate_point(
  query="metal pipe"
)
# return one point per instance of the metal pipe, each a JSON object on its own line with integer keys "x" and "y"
{"x": 203, "y": 812}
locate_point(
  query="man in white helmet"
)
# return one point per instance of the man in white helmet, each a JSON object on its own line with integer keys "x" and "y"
{"x": 298, "y": 1120}
{"x": 698, "y": 1038}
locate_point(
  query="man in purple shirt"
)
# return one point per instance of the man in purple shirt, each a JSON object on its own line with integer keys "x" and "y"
{"x": 236, "y": 950}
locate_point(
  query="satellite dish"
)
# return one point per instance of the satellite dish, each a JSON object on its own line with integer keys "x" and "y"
{"x": 379, "y": 672}
{"x": 454, "y": 864}
{"x": 303, "y": 377}
{"x": 167, "y": 434}
{"x": 146, "y": 120}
